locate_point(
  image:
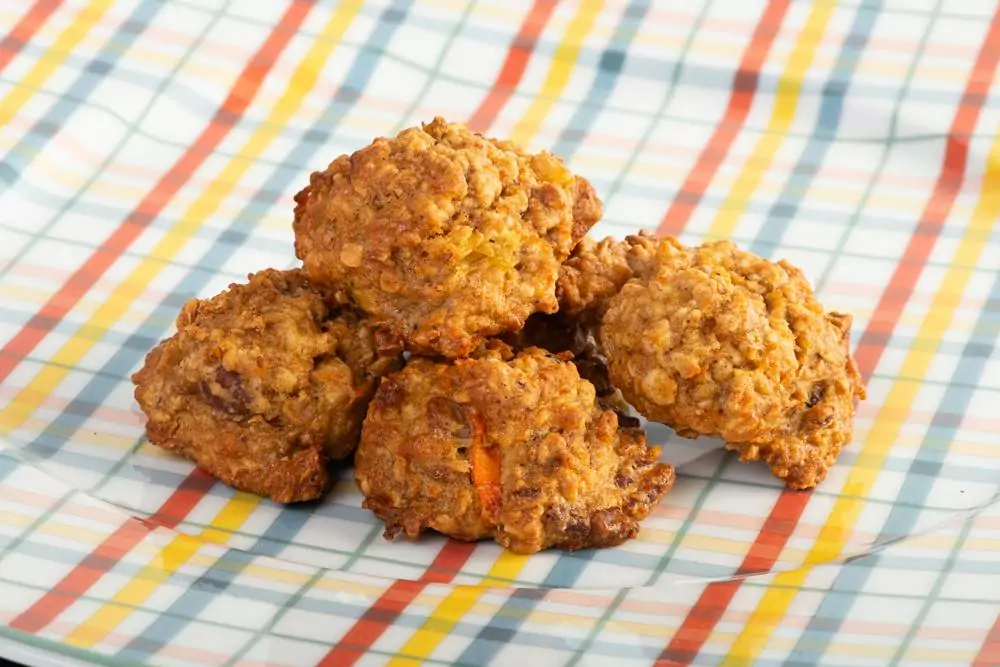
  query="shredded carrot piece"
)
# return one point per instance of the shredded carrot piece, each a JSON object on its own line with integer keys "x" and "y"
{"x": 485, "y": 463}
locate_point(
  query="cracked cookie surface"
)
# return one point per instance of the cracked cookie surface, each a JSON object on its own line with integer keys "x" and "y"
{"x": 597, "y": 270}
{"x": 441, "y": 236}
{"x": 717, "y": 341}
{"x": 509, "y": 447}
{"x": 262, "y": 385}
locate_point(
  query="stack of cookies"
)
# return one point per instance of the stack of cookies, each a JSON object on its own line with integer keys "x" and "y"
{"x": 454, "y": 330}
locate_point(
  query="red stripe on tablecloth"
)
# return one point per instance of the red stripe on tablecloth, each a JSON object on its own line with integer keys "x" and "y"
{"x": 956, "y": 155}
{"x": 715, "y": 599}
{"x": 25, "y": 29}
{"x": 194, "y": 487}
{"x": 393, "y": 602}
{"x": 109, "y": 552}
{"x": 788, "y": 509}
{"x": 514, "y": 65}
{"x": 228, "y": 115}
{"x": 740, "y": 101}
{"x": 989, "y": 654}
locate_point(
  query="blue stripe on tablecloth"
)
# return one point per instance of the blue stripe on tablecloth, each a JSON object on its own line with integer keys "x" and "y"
{"x": 609, "y": 66}
{"x": 205, "y": 590}
{"x": 110, "y": 375}
{"x": 289, "y": 521}
{"x": 786, "y": 207}
{"x": 567, "y": 568}
{"x": 18, "y": 159}
{"x": 917, "y": 485}
{"x": 788, "y": 203}
{"x": 8, "y": 464}
{"x": 225, "y": 245}
{"x": 92, "y": 73}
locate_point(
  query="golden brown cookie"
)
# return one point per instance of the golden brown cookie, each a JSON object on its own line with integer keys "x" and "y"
{"x": 594, "y": 272}
{"x": 597, "y": 270}
{"x": 441, "y": 236}
{"x": 513, "y": 448}
{"x": 262, "y": 385}
{"x": 720, "y": 342}
{"x": 820, "y": 421}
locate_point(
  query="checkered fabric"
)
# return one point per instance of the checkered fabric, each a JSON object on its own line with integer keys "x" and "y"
{"x": 149, "y": 150}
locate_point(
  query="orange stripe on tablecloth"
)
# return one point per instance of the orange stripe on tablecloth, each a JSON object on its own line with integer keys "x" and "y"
{"x": 109, "y": 552}
{"x": 715, "y": 599}
{"x": 989, "y": 654}
{"x": 194, "y": 487}
{"x": 25, "y": 29}
{"x": 514, "y": 65}
{"x": 918, "y": 250}
{"x": 228, "y": 115}
{"x": 393, "y": 602}
{"x": 791, "y": 504}
{"x": 740, "y": 101}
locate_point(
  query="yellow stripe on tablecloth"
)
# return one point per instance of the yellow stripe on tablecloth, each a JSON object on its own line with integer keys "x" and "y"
{"x": 302, "y": 81}
{"x": 508, "y": 565}
{"x": 847, "y": 510}
{"x": 785, "y": 105}
{"x": 52, "y": 59}
{"x": 563, "y": 63}
{"x": 128, "y": 291}
{"x": 112, "y": 612}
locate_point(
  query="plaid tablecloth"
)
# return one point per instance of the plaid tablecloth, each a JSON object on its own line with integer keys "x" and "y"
{"x": 150, "y": 150}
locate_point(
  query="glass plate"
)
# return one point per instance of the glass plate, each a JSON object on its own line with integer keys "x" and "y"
{"x": 854, "y": 140}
